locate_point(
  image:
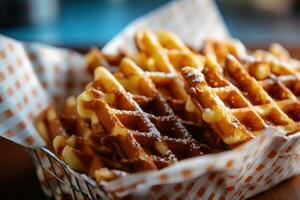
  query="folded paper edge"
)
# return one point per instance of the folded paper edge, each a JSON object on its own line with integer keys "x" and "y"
{"x": 131, "y": 28}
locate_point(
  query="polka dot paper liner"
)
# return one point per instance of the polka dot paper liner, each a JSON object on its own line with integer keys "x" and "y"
{"x": 32, "y": 76}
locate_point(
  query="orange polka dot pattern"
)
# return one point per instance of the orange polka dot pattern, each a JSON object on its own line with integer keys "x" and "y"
{"x": 31, "y": 75}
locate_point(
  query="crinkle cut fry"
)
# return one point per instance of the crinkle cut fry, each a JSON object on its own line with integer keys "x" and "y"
{"x": 130, "y": 70}
{"x": 96, "y": 104}
{"x": 214, "y": 110}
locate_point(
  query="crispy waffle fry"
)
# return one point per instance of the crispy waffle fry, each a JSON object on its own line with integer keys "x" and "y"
{"x": 73, "y": 141}
{"x": 161, "y": 112}
{"x": 214, "y": 110}
{"x": 237, "y": 106}
{"x": 168, "y": 112}
{"x": 107, "y": 103}
{"x": 80, "y": 156}
{"x": 95, "y": 58}
{"x": 49, "y": 126}
{"x": 219, "y": 49}
{"x": 163, "y": 56}
{"x": 166, "y": 102}
{"x": 281, "y": 85}
{"x": 164, "y": 60}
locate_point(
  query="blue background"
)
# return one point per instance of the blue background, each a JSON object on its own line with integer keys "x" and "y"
{"x": 94, "y": 22}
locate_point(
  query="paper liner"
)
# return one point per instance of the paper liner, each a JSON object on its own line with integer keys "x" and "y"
{"x": 192, "y": 20}
{"x": 32, "y": 75}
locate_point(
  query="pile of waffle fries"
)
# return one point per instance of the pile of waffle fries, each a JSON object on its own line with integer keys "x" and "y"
{"x": 147, "y": 109}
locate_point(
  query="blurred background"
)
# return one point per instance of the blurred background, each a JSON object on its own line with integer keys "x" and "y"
{"x": 80, "y": 24}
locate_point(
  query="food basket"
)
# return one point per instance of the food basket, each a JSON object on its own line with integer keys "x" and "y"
{"x": 39, "y": 73}
{"x": 59, "y": 181}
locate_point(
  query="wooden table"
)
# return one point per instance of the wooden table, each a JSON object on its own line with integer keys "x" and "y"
{"x": 289, "y": 189}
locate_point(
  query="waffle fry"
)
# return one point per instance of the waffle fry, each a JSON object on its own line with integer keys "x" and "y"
{"x": 165, "y": 49}
{"x": 147, "y": 109}
{"x": 106, "y": 102}
{"x": 281, "y": 84}
{"x": 73, "y": 141}
{"x": 214, "y": 110}
{"x": 153, "y": 56}
{"x": 95, "y": 58}
{"x": 81, "y": 157}
{"x": 49, "y": 126}
{"x": 162, "y": 55}
{"x": 277, "y": 54}
{"x": 251, "y": 105}
{"x": 168, "y": 110}
{"x": 166, "y": 113}
{"x": 219, "y": 49}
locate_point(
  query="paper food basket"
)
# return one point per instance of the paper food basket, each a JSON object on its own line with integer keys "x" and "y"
{"x": 32, "y": 75}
